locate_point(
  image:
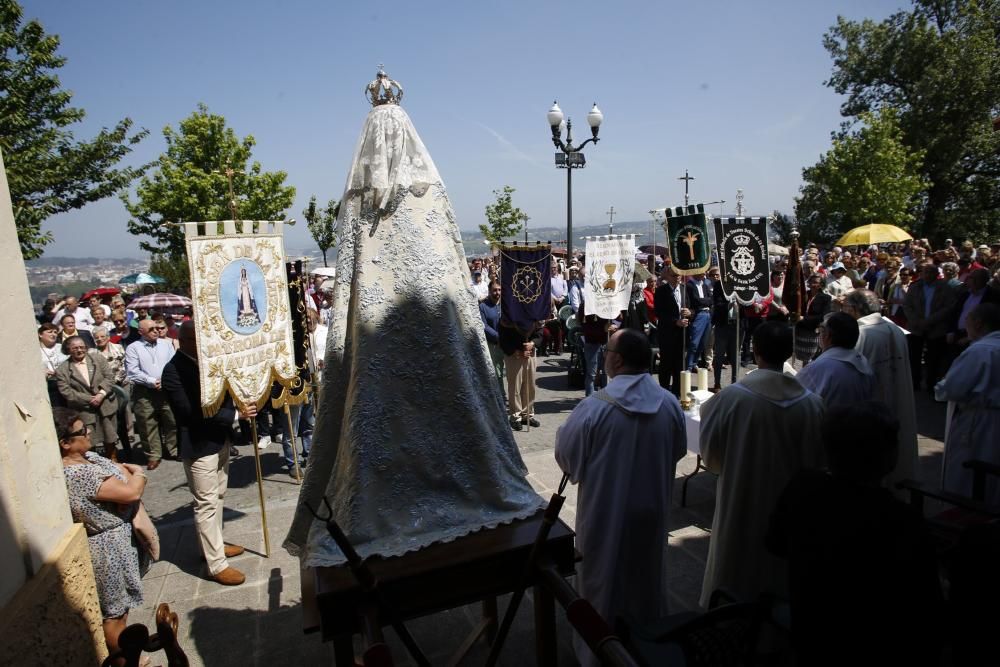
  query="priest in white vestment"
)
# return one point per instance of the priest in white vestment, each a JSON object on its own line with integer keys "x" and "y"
{"x": 973, "y": 385}
{"x": 621, "y": 445}
{"x": 841, "y": 374}
{"x": 756, "y": 435}
{"x": 884, "y": 345}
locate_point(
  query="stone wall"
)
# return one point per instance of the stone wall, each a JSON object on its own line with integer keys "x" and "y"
{"x": 47, "y": 592}
{"x": 55, "y": 618}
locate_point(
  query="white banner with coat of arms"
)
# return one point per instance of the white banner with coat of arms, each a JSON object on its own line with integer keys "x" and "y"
{"x": 243, "y": 322}
{"x": 608, "y": 280}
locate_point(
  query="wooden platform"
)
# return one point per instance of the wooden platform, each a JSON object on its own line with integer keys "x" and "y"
{"x": 474, "y": 568}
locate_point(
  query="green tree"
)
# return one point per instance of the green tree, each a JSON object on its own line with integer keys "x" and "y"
{"x": 868, "y": 176}
{"x": 322, "y": 224}
{"x": 503, "y": 219}
{"x": 939, "y": 65}
{"x": 189, "y": 184}
{"x": 780, "y": 227}
{"x": 49, "y": 171}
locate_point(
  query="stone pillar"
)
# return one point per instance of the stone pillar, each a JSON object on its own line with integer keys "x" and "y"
{"x": 49, "y": 612}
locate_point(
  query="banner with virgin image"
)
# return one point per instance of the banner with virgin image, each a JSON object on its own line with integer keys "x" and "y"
{"x": 607, "y": 283}
{"x": 243, "y": 322}
{"x": 743, "y": 260}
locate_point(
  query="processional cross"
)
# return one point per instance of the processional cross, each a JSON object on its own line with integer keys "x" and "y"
{"x": 228, "y": 171}
{"x": 687, "y": 179}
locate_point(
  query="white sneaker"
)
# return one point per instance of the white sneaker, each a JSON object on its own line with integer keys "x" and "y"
{"x": 264, "y": 441}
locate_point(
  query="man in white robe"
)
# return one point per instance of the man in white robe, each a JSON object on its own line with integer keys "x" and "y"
{"x": 756, "y": 435}
{"x": 884, "y": 345}
{"x": 841, "y": 374}
{"x": 622, "y": 445}
{"x": 973, "y": 385}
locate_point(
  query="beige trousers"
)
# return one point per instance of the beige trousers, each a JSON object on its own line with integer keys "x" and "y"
{"x": 520, "y": 385}
{"x": 208, "y": 477}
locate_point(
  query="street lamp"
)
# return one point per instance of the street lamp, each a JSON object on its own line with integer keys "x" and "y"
{"x": 571, "y": 157}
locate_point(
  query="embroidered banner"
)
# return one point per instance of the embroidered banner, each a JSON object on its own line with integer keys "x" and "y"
{"x": 687, "y": 231}
{"x": 243, "y": 322}
{"x": 298, "y": 392}
{"x": 525, "y": 284}
{"x": 743, "y": 260}
{"x": 607, "y": 284}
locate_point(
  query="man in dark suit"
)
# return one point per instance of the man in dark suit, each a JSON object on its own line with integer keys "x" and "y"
{"x": 672, "y": 319}
{"x": 204, "y": 444}
{"x": 975, "y": 291}
{"x": 929, "y": 304}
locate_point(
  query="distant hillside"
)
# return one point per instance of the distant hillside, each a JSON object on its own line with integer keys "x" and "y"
{"x": 475, "y": 245}
{"x": 79, "y": 261}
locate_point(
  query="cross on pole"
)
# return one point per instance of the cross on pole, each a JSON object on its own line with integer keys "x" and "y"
{"x": 611, "y": 220}
{"x": 687, "y": 179}
{"x": 228, "y": 171}
{"x": 739, "y": 203}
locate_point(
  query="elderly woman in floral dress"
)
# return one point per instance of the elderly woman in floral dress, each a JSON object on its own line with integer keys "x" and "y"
{"x": 103, "y": 496}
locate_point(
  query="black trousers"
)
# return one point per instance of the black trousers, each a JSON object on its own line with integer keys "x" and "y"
{"x": 671, "y": 359}
{"x": 932, "y": 351}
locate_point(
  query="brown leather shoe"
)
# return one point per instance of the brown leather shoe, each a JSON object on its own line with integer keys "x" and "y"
{"x": 229, "y": 577}
{"x": 233, "y": 550}
{"x": 716, "y": 389}
{"x": 153, "y": 465}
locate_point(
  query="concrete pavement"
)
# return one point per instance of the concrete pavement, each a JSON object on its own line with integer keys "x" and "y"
{"x": 259, "y": 622}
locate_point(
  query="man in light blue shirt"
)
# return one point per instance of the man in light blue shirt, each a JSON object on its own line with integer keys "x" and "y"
{"x": 154, "y": 422}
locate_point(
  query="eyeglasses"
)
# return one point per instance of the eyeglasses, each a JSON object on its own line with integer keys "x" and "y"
{"x": 118, "y": 321}
{"x": 78, "y": 434}
{"x": 160, "y": 328}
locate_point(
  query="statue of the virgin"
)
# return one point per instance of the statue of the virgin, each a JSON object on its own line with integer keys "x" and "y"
{"x": 411, "y": 444}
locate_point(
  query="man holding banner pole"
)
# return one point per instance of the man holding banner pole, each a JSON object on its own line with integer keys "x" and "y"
{"x": 673, "y": 319}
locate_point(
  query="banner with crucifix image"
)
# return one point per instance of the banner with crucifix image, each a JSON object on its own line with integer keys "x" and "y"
{"x": 243, "y": 322}
{"x": 743, "y": 259}
{"x": 687, "y": 233}
{"x": 607, "y": 284}
{"x": 526, "y": 284}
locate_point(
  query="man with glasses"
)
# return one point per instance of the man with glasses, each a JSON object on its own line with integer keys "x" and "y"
{"x": 621, "y": 445}
{"x": 154, "y": 420}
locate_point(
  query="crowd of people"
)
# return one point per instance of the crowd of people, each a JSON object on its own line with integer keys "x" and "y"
{"x": 118, "y": 376}
{"x": 876, "y": 326}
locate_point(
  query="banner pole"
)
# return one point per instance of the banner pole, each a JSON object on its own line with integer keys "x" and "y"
{"x": 738, "y": 361}
{"x": 260, "y": 488}
{"x": 292, "y": 430}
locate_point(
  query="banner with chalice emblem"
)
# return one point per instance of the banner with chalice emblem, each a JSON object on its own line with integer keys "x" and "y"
{"x": 239, "y": 292}
{"x": 743, "y": 259}
{"x": 608, "y": 281}
{"x": 687, "y": 231}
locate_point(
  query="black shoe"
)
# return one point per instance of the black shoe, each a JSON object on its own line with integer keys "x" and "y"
{"x": 530, "y": 421}
{"x": 515, "y": 424}
{"x": 234, "y": 452}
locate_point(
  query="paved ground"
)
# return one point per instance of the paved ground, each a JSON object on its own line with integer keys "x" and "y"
{"x": 259, "y": 623}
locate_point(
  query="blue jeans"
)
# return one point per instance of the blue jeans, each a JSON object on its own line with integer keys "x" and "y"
{"x": 699, "y": 334}
{"x": 593, "y": 358}
{"x": 302, "y": 416}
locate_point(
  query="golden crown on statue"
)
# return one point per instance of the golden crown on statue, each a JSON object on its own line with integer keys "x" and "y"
{"x": 384, "y": 90}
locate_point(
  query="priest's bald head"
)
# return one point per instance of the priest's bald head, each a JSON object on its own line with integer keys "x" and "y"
{"x": 629, "y": 353}
{"x": 984, "y": 319}
{"x": 772, "y": 345}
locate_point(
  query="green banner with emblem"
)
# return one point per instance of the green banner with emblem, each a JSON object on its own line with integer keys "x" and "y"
{"x": 687, "y": 233}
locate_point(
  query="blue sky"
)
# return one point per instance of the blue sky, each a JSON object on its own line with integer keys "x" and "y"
{"x": 732, "y": 91}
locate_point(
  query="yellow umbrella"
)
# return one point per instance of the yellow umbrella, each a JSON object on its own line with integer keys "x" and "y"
{"x": 869, "y": 234}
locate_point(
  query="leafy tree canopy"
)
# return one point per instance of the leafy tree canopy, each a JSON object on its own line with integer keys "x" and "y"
{"x": 938, "y": 64}
{"x": 189, "y": 183}
{"x": 322, "y": 224}
{"x": 503, "y": 219}
{"x": 868, "y": 176}
{"x": 49, "y": 171}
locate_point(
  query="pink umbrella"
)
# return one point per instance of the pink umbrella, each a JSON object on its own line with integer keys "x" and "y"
{"x": 159, "y": 301}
